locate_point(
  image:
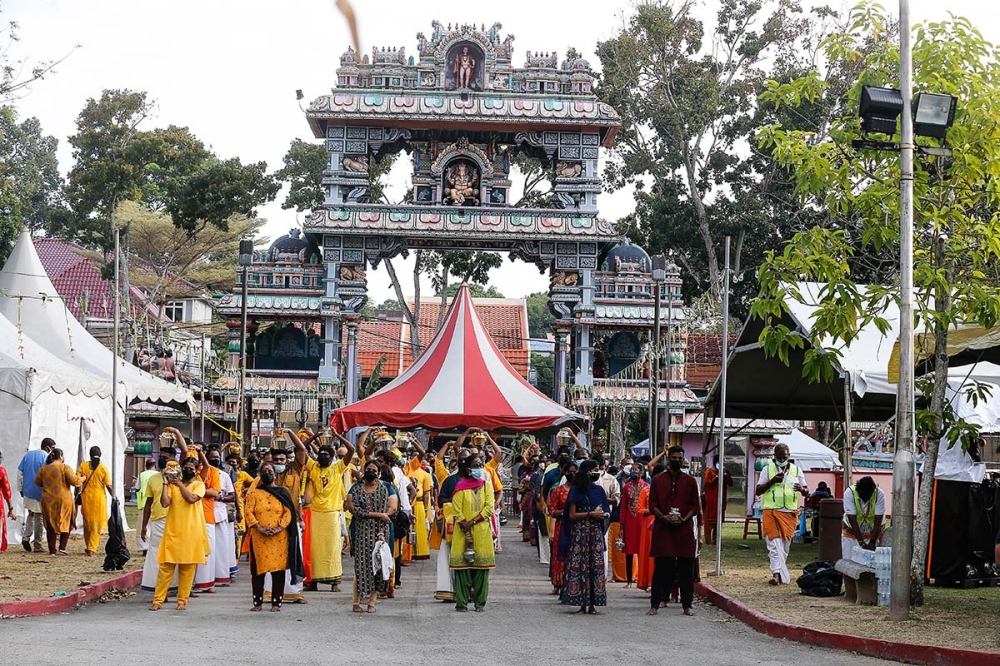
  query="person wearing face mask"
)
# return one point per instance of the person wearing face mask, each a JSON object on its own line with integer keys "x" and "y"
{"x": 205, "y": 578}
{"x": 325, "y": 481}
{"x": 673, "y": 502}
{"x": 274, "y": 539}
{"x": 581, "y": 541}
{"x": 225, "y": 515}
{"x": 154, "y": 517}
{"x": 780, "y": 484}
{"x": 93, "y": 500}
{"x": 416, "y": 470}
{"x": 472, "y": 551}
{"x": 632, "y": 521}
{"x": 184, "y": 545}
{"x": 371, "y": 505}
{"x": 144, "y": 476}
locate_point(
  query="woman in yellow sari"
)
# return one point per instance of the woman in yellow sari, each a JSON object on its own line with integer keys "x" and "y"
{"x": 94, "y": 500}
{"x": 472, "y": 553}
{"x": 55, "y": 479}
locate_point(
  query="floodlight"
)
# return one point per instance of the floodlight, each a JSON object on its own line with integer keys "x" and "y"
{"x": 880, "y": 109}
{"x": 933, "y": 114}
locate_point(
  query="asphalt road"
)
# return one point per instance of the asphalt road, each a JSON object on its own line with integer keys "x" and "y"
{"x": 522, "y": 626}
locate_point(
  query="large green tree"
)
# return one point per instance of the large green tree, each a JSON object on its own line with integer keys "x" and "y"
{"x": 303, "y": 168}
{"x": 30, "y": 175}
{"x": 957, "y": 245}
{"x": 166, "y": 169}
{"x": 540, "y": 318}
{"x": 688, "y": 111}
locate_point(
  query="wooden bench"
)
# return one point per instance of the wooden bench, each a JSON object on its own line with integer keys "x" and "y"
{"x": 860, "y": 586}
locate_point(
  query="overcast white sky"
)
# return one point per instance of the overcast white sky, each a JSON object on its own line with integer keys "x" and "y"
{"x": 228, "y": 69}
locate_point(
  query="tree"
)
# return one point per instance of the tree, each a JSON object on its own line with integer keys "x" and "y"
{"x": 540, "y": 318}
{"x": 172, "y": 258}
{"x": 29, "y": 170}
{"x": 543, "y": 365}
{"x": 476, "y": 290}
{"x": 215, "y": 191}
{"x": 389, "y": 304}
{"x": 470, "y": 266}
{"x": 686, "y": 117}
{"x": 303, "y": 171}
{"x": 957, "y": 199}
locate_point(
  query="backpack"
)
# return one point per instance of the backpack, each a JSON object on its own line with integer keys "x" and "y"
{"x": 820, "y": 579}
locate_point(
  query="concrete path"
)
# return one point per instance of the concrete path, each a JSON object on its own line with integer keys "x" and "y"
{"x": 522, "y": 626}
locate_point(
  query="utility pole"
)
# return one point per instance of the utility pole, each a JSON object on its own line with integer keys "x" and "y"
{"x": 114, "y": 367}
{"x": 903, "y": 472}
{"x": 204, "y": 353}
{"x": 654, "y": 366}
{"x": 245, "y": 261}
{"x": 721, "y": 449}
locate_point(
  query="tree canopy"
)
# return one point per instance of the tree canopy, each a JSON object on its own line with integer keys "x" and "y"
{"x": 854, "y": 252}
{"x": 688, "y": 116}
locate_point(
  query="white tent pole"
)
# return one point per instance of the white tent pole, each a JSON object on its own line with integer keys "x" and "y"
{"x": 114, "y": 373}
{"x": 721, "y": 451}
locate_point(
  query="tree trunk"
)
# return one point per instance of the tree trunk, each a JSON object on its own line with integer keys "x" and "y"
{"x": 921, "y": 531}
{"x": 704, "y": 230}
{"x": 415, "y": 323}
{"x": 408, "y": 315}
{"x": 444, "y": 294}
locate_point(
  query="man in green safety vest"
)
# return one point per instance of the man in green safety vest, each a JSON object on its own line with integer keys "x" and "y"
{"x": 864, "y": 513}
{"x": 779, "y": 486}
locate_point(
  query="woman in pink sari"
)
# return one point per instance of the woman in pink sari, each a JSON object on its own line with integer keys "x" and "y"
{"x": 633, "y": 521}
{"x": 557, "y": 507}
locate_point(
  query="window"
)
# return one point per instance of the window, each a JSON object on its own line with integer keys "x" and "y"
{"x": 175, "y": 311}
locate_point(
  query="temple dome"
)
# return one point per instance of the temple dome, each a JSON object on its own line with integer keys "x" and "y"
{"x": 292, "y": 249}
{"x": 627, "y": 258}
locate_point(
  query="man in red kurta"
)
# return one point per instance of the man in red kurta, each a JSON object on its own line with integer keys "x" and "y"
{"x": 673, "y": 502}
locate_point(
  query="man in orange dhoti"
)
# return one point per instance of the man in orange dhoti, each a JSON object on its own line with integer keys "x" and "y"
{"x": 780, "y": 483}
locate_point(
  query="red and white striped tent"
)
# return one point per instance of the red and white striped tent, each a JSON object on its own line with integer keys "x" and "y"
{"x": 461, "y": 380}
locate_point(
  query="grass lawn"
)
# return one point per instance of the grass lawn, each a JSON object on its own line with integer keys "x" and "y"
{"x": 949, "y": 618}
{"x": 26, "y": 576}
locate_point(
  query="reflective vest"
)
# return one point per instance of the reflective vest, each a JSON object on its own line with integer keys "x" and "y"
{"x": 781, "y": 496}
{"x": 864, "y": 519}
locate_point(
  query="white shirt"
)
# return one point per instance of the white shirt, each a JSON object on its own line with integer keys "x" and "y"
{"x": 221, "y": 515}
{"x": 851, "y": 510}
{"x": 401, "y": 483}
{"x": 611, "y": 487}
{"x": 765, "y": 476}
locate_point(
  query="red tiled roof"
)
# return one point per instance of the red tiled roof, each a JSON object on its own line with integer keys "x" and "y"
{"x": 74, "y": 274}
{"x": 706, "y": 348}
{"x": 506, "y": 320}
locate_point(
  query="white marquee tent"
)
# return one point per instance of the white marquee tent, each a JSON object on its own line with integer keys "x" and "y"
{"x": 808, "y": 453}
{"x": 42, "y": 396}
{"x": 30, "y": 301}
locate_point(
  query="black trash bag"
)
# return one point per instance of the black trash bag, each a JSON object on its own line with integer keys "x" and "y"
{"x": 820, "y": 579}
{"x": 115, "y": 551}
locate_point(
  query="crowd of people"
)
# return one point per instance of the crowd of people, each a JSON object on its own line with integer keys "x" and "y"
{"x": 292, "y": 511}
{"x": 593, "y": 522}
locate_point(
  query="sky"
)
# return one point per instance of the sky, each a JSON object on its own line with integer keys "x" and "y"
{"x": 229, "y": 69}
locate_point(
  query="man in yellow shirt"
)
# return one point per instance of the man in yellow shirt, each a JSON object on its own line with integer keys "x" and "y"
{"x": 325, "y": 481}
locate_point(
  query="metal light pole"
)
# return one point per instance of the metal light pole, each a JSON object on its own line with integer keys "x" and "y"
{"x": 114, "y": 366}
{"x": 722, "y": 412}
{"x": 659, "y": 275}
{"x": 902, "y": 466}
{"x": 203, "y": 354}
{"x": 245, "y": 261}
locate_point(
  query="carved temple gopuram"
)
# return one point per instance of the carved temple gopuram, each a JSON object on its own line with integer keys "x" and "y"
{"x": 464, "y": 111}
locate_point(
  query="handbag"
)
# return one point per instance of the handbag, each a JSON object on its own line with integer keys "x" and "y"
{"x": 78, "y": 497}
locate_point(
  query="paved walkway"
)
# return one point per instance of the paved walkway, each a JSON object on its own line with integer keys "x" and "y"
{"x": 522, "y": 626}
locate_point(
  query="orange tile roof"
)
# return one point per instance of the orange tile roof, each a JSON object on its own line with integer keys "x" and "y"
{"x": 506, "y": 320}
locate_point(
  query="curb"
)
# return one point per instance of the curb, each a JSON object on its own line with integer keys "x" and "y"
{"x": 74, "y": 599}
{"x": 872, "y": 647}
